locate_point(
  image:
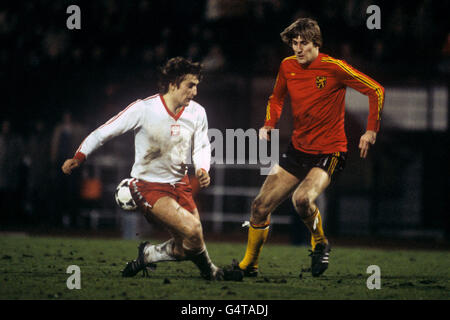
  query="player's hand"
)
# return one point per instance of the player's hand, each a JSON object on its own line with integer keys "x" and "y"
{"x": 264, "y": 132}
{"x": 69, "y": 165}
{"x": 366, "y": 140}
{"x": 203, "y": 178}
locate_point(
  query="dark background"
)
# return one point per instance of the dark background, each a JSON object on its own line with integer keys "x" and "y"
{"x": 49, "y": 72}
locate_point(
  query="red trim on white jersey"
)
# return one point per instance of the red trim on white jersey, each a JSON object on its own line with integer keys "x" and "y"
{"x": 151, "y": 97}
{"x": 108, "y": 122}
{"x": 175, "y": 116}
{"x": 79, "y": 148}
{"x": 119, "y": 114}
{"x": 80, "y": 156}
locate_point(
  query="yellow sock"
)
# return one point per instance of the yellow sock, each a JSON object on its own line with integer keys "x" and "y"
{"x": 257, "y": 236}
{"x": 314, "y": 224}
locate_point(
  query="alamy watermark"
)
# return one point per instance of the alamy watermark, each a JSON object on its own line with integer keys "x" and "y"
{"x": 74, "y": 281}
{"x": 237, "y": 146}
{"x": 244, "y": 147}
{"x": 374, "y": 20}
{"x": 74, "y": 20}
{"x": 374, "y": 281}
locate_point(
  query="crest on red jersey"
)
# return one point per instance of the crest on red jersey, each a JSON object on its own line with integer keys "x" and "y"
{"x": 321, "y": 82}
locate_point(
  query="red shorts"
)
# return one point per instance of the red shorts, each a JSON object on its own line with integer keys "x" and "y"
{"x": 145, "y": 194}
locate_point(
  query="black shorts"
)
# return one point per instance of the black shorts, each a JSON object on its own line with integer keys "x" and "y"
{"x": 299, "y": 163}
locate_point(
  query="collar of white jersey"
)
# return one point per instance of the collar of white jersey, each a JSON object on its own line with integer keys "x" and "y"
{"x": 173, "y": 115}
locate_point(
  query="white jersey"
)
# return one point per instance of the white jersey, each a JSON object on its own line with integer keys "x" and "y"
{"x": 162, "y": 139}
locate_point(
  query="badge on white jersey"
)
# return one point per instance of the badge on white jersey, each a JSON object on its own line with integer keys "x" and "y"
{"x": 175, "y": 130}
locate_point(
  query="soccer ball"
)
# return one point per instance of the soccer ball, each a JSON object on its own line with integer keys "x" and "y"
{"x": 123, "y": 196}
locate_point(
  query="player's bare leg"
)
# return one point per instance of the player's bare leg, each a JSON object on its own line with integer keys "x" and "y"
{"x": 276, "y": 188}
{"x": 187, "y": 242}
{"x": 304, "y": 197}
{"x": 170, "y": 250}
{"x": 278, "y": 185}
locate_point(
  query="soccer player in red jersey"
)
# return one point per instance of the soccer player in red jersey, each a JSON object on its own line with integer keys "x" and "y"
{"x": 316, "y": 84}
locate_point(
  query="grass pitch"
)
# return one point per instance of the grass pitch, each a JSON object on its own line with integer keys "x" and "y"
{"x": 35, "y": 268}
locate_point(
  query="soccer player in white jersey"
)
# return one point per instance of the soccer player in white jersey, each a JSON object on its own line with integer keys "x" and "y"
{"x": 165, "y": 125}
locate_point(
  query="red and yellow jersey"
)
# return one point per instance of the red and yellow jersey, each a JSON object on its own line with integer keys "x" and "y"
{"x": 317, "y": 94}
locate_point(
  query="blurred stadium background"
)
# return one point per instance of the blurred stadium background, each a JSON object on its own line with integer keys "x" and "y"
{"x": 59, "y": 84}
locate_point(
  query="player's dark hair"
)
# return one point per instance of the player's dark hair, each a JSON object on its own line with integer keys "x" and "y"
{"x": 174, "y": 72}
{"x": 306, "y": 28}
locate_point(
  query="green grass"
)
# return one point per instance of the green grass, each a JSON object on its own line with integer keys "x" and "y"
{"x": 35, "y": 268}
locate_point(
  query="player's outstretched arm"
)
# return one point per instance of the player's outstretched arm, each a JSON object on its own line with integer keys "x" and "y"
{"x": 366, "y": 140}
{"x": 69, "y": 165}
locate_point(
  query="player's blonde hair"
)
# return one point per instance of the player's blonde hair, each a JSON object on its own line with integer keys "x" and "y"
{"x": 306, "y": 28}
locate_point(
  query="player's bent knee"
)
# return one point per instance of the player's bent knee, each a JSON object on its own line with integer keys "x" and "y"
{"x": 302, "y": 203}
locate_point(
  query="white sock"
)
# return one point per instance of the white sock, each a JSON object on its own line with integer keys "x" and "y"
{"x": 160, "y": 252}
